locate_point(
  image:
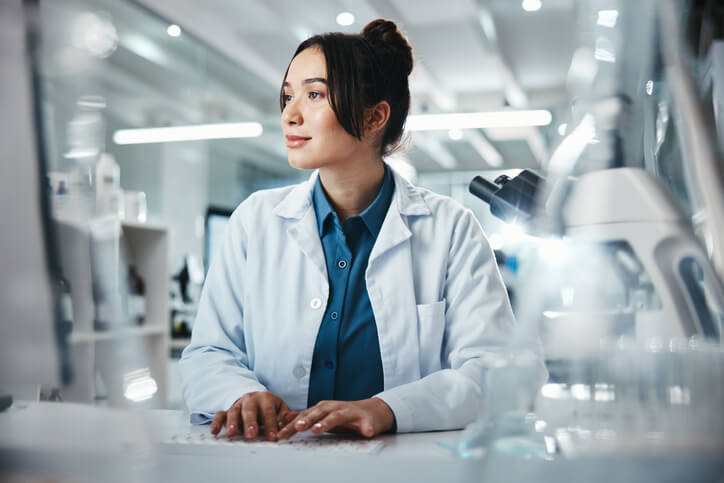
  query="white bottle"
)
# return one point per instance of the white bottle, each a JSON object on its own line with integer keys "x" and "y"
{"x": 109, "y": 196}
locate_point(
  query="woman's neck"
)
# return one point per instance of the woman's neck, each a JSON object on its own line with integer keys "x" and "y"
{"x": 353, "y": 187}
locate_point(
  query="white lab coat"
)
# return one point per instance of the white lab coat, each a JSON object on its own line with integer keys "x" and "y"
{"x": 433, "y": 284}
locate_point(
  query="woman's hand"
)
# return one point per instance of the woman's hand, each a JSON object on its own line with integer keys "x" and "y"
{"x": 367, "y": 417}
{"x": 251, "y": 410}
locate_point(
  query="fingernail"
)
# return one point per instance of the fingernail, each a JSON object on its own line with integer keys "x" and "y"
{"x": 272, "y": 435}
{"x": 301, "y": 422}
{"x": 318, "y": 425}
{"x": 231, "y": 427}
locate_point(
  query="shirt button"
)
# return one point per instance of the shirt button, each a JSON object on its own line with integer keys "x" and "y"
{"x": 299, "y": 372}
{"x": 342, "y": 264}
{"x": 315, "y": 303}
{"x": 334, "y": 315}
{"x": 328, "y": 364}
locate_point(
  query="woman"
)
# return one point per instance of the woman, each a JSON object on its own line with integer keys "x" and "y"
{"x": 353, "y": 301}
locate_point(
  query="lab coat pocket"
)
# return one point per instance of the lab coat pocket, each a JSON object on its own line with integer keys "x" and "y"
{"x": 431, "y": 328}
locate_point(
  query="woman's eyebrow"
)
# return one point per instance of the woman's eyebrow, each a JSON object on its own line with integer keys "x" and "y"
{"x": 310, "y": 80}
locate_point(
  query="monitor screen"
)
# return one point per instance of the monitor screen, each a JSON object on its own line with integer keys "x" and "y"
{"x": 216, "y": 221}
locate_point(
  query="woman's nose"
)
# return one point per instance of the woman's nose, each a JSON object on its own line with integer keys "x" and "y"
{"x": 291, "y": 114}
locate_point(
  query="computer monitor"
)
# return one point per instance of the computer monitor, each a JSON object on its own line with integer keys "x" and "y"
{"x": 33, "y": 349}
{"x": 216, "y": 220}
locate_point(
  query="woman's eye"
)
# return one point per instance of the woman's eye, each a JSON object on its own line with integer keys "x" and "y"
{"x": 315, "y": 95}
{"x": 287, "y": 98}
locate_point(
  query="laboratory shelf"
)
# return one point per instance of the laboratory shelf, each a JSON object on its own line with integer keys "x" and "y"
{"x": 103, "y": 360}
{"x": 87, "y": 336}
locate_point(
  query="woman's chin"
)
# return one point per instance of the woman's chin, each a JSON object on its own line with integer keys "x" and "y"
{"x": 302, "y": 163}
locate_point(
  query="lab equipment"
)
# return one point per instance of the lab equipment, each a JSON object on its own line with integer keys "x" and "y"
{"x": 509, "y": 199}
{"x": 621, "y": 289}
{"x": 666, "y": 284}
{"x": 109, "y": 195}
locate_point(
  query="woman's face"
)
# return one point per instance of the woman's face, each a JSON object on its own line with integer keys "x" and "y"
{"x": 313, "y": 136}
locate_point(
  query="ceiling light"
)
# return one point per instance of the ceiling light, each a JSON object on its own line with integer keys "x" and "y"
{"x": 345, "y": 19}
{"x": 143, "y": 47}
{"x": 455, "y": 134}
{"x": 95, "y": 34}
{"x": 607, "y": 18}
{"x": 188, "y": 133}
{"x": 174, "y": 30}
{"x": 478, "y": 120}
{"x": 562, "y": 129}
{"x": 649, "y": 87}
{"x": 531, "y": 5}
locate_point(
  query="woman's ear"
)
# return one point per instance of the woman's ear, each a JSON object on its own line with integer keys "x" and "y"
{"x": 376, "y": 117}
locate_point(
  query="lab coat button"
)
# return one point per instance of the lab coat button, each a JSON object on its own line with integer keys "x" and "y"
{"x": 334, "y": 315}
{"x": 299, "y": 372}
{"x": 342, "y": 264}
{"x": 315, "y": 303}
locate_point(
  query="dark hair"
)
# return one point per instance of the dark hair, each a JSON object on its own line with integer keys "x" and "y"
{"x": 362, "y": 70}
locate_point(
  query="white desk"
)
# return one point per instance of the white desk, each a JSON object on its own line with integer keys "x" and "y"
{"x": 76, "y": 441}
{"x": 71, "y": 442}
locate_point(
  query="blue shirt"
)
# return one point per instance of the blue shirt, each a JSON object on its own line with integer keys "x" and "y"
{"x": 346, "y": 364}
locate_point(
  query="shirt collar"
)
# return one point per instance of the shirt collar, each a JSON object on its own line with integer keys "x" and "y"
{"x": 373, "y": 215}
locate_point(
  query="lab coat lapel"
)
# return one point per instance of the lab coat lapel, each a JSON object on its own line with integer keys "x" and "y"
{"x": 298, "y": 209}
{"x": 406, "y": 201}
{"x": 306, "y": 234}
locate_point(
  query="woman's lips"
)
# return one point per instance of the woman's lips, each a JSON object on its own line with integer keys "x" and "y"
{"x": 296, "y": 141}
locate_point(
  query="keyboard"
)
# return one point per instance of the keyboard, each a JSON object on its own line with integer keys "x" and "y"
{"x": 298, "y": 442}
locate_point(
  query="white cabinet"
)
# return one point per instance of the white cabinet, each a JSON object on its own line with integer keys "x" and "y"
{"x": 118, "y": 363}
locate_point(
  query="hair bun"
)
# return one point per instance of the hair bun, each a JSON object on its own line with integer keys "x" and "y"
{"x": 384, "y": 34}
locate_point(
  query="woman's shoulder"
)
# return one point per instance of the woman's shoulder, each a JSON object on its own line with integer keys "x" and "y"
{"x": 442, "y": 206}
{"x": 264, "y": 201}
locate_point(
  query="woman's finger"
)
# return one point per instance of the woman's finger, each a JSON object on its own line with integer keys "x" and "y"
{"x": 232, "y": 420}
{"x": 304, "y": 420}
{"x": 269, "y": 418}
{"x": 284, "y": 415}
{"x": 335, "y": 419}
{"x": 218, "y": 422}
{"x": 250, "y": 417}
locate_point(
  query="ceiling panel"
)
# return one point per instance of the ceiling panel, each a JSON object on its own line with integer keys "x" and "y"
{"x": 230, "y": 60}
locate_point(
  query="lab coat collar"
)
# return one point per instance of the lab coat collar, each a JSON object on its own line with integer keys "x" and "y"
{"x": 407, "y": 199}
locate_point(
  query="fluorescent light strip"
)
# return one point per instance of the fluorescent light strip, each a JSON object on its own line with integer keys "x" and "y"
{"x": 478, "y": 120}
{"x": 188, "y": 133}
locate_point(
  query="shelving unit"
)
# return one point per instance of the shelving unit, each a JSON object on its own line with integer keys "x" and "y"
{"x": 106, "y": 362}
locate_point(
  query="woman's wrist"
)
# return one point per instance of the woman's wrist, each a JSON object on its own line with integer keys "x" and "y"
{"x": 384, "y": 414}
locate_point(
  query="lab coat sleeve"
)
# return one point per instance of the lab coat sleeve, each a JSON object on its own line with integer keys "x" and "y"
{"x": 215, "y": 366}
{"x": 479, "y": 326}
